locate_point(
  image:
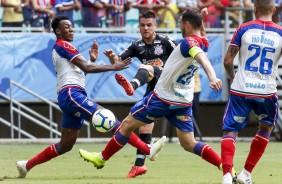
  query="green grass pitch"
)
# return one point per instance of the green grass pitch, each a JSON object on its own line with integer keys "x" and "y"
{"x": 174, "y": 166}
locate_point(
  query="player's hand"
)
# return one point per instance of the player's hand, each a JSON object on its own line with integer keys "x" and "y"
{"x": 216, "y": 84}
{"x": 93, "y": 51}
{"x": 110, "y": 54}
{"x": 204, "y": 11}
{"x": 122, "y": 64}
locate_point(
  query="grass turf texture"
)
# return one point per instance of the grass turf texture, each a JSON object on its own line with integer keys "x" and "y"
{"x": 174, "y": 165}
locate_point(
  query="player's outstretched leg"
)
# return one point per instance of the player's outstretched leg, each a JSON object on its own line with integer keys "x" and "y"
{"x": 47, "y": 154}
{"x": 125, "y": 84}
{"x": 115, "y": 144}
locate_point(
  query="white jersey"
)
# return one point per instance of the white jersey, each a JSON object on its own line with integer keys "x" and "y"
{"x": 67, "y": 73}
{"x": 260, "y": 50}
{"x": 176, "y": 83}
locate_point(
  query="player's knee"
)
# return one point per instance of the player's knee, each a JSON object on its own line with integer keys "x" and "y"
{"x": 66, "y": 148}
{"x": 146, "y": 129}
{"x": 127, "y": 126}
{"x": 188, "y": 145}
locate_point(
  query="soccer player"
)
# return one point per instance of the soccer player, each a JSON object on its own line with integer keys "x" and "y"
{"x": 172, "y": 96}
{"x": 152, "y": 50}
{"x": 71, "y": 68}
{"x": 253, "y": 87}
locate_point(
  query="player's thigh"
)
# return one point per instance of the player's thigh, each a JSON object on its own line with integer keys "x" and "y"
{"x": 181, "y": 118}
{"x": 146, "y": 129}
{"x": 75, "y": 101}
{"x": 266, "y": 110}
{"x": 236, "y": 113}
{"x": 150, "y": 109}
{"x": 129, "y": 124}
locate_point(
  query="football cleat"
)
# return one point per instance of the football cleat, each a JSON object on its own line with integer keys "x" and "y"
{"x": 93, "y": 157}
{"x": 227, "y": 179}
{"x": 156, "y": 148}
{"x": 233, "y": 174}
{"x": 125, "y": 84}
{"x": 21, "y": 166}
{"x": 244, "y": 177}
{"x": 136, "y": 171}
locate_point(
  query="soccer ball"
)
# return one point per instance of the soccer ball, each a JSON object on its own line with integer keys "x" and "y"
{"x": 103, "y": 120}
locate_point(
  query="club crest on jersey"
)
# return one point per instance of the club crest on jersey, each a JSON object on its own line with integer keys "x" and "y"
{"x": 90, "y": 103}
{"x": 158, "y": 50}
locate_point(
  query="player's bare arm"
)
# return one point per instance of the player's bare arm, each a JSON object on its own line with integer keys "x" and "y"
{"x": 228, "y": 61}
{"x": 87, "y": 67}
{"x": 215, "y": 83}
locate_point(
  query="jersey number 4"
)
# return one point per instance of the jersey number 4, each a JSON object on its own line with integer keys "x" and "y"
{"x": 265, "y": 65}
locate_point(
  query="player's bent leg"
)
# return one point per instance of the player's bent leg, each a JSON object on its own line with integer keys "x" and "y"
{"x": 145, "y": 134}
{"x": 189, "y": 143}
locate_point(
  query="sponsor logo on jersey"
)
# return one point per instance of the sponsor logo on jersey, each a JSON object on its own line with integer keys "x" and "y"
{"x": 183, "y": 118}
{"x": 239, "y": 119}
{"x": 255, "y": 85}
{"x": 158, "y": 50}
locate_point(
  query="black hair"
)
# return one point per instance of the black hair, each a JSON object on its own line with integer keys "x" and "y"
{"x": 193, "y": 17}
{"x": 147, "y": 14}
{"x": 56, "y": 21}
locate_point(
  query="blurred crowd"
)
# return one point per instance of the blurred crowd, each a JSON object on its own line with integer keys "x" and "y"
{"x": 39, "y": 13}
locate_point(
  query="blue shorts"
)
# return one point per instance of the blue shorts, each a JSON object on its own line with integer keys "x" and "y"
{"x": 151, "y": 109}
{"x": 75, "y": 106}
{"x": 239, "y": 107}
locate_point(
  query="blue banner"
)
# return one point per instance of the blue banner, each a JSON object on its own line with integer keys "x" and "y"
{"x": 26, "y": 59}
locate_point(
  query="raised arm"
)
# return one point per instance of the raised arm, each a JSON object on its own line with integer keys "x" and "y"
{"x": 91, "y": 67}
